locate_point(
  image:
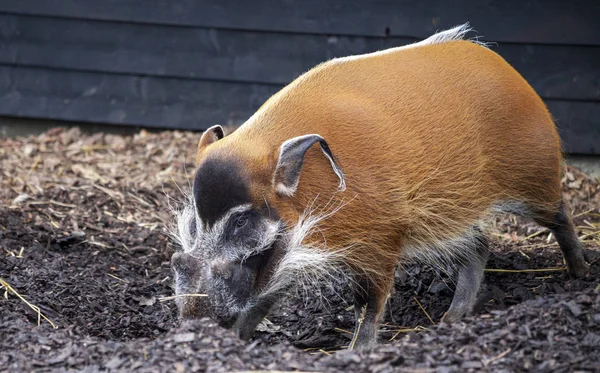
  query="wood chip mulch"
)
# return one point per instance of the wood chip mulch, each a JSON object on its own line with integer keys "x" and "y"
{"x": 84, "y": 259}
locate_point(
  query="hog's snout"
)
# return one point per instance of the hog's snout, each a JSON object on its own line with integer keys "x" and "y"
{"x": 184, "y": 263}
{"x": 228, "y": 284}
{"x": 188, "y": 276}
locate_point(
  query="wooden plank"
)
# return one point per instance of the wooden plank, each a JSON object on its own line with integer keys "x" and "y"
{"x": 269, "y": 58}
{"x": 171, "y": 51}
{"x": 128, "y": 100}
{"x": 185, "y": 104}
{"x": 556, "y": 72}
{"x": 578, "y": 124}
{"x": 528, "y": 21}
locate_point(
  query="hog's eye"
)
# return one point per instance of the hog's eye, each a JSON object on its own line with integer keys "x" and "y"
{"x": 241, "y": 221}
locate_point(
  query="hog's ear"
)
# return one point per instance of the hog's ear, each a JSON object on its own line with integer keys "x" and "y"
{"x": 291, "y": 158}
{"x": 213, "y": 134}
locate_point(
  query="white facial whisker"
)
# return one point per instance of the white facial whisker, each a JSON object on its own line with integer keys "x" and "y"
{"x": 305, "y": 265}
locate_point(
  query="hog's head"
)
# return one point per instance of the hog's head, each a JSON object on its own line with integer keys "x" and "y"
{"x": 236, "y": 247}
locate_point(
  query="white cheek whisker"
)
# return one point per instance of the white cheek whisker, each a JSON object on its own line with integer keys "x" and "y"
{"x": 303, "y": 266}
{"x": 182, "y": 233}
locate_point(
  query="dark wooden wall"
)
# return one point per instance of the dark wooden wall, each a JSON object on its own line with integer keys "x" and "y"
{"x": 192, "y": 63}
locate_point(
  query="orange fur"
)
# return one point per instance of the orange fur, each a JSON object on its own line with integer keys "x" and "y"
{"x": 429, "y": 137}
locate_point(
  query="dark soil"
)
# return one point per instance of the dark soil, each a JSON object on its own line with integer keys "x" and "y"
{"x": 88, "y": 246}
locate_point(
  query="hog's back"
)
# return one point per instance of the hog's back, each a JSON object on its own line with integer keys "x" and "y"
{"x": 429, "y": 138}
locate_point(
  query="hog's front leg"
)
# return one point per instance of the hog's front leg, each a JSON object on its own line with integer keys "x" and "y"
{"x": 370, "y": 296}
{"x": 246, "y": 324}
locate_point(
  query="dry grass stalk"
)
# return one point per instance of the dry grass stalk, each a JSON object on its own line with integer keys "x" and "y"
{"x": 525, "y": 270}
{"x": 35, "y": 308}
{"x": 500, "y": 356}
{"x": 117, "y": 278}
{"x": 596, "y": 233}
{"x": 418, "y": 328}
{"x": 424, "y": 311}
{"x": 585, "y": 213}
{"x": 165, "y": 299}
{"x": 359, "y": 322}
{"x": 525, "y": 255}
{"x": 535, "y": 234}
{"x": 343, "y": 331}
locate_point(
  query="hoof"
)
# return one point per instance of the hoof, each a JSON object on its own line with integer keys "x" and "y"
{"x": 452, "y": 317}
{"x": 363, "y": 345}
{"x": 443, "y": 319}
{"x": 579, "y": 272}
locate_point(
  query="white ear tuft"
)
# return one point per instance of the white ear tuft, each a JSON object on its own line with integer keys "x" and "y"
{"x": 291, "y": 158}
{"x": 213, "y": 134}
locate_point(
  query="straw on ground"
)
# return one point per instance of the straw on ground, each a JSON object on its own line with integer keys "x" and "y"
{"x": 9, "y": 288}
{"x": 164, "y": 299}
{"x": 557, "y": 269}
{"x": 424, "y": 311}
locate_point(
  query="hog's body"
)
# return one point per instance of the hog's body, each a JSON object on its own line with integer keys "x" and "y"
{"x": 420, "y": 145}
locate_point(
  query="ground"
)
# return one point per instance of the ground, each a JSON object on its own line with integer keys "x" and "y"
{"x": 84, "y": 265}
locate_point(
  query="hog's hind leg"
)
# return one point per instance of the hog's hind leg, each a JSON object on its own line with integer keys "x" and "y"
{"x": 471, "y": 268}
{"x": 561, "y": 225}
